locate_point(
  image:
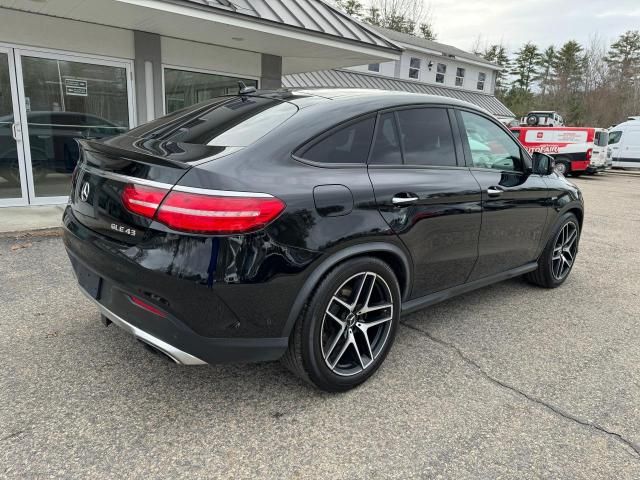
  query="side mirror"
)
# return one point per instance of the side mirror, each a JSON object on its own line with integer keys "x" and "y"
{"x": 542, "y": 164}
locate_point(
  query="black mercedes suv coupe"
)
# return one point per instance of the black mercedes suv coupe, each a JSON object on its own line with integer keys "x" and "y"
{"x": 300, "y": 225}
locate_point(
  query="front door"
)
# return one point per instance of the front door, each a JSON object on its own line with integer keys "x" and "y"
{"x": 47, "y": 101}
{"x": 12, "y": 171}
{"x": 427, "y": 195}
{"x": 515, "y": 201}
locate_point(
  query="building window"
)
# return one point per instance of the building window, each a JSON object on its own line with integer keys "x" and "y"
{"x": 374, "y": 67}
{"x": 460, "y": 76}
{"x": 184, "y": 88}
{"x": 481, "y": 79}
{"x": 414, "y": 68}
{"x": 442, "y": 71}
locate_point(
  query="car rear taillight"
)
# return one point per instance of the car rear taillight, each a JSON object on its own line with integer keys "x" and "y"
{"x": 142, "y": 200}
{"x": 589, "y": 153}
{"x": 198, "y": 213}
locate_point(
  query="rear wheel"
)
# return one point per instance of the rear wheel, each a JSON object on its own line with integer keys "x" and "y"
{"x": 563, "y": 166}
{"x": 559, "y": 255}
{"x": 347, "y": 327}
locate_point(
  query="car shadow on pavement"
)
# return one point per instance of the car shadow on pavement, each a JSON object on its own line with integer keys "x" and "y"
{"x": 123, "y": 359}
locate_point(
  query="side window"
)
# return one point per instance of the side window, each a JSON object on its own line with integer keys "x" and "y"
{"x": 348, "y": 144}
{"x": 614, "y": 137}
{"x": 441, "y": 70}
{"x": 414, "y": 68}
{"x": 426, "y": 137}
{"x": 386, "y": 145}
{"x": 491, "y": 147}
{"x": 460, "y": 72}
{"x": 482, "y": 77}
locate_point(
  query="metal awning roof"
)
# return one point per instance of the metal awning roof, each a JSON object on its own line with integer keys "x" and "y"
{"x": 350, "y": 79}
{"x": 311, "y": 15}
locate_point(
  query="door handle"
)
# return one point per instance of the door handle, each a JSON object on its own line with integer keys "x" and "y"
{"x": 494, "y": 191}
{"x": 16, "y": 132}
{"x": 403, "y": 200}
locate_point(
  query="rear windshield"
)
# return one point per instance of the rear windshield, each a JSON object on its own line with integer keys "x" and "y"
{"x": 226, "y": 122}
{"x": 601, "y": 139}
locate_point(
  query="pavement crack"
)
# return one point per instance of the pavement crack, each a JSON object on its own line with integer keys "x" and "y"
{"x": 553, "y": 408}
{"x": 12, "y": 435}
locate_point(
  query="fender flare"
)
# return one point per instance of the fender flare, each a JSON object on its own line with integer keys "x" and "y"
{"x": 353, "y": 251}
{"x": 572, "y": 207}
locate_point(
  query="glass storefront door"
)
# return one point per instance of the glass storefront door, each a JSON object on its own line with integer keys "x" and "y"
{"x": 63, "y": 99}
{"x": 12, "y": 178}
{"x": 47, "y": 102}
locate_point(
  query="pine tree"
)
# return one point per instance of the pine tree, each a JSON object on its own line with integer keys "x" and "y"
{"x": 568, "y": 67}
{"x": 350, "y": 7}
{"x": 426, "y": 31}
{"x": 373, "y": 17}
{"x": 525, "y": 66}
{"x": 545, "y": 69}
{"x": 624, "y": 57}
{"x": 498, "y": 54}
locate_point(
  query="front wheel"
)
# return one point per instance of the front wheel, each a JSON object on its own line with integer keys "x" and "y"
{"x": 347, "y": 327}
{"x": 559, "y": 255}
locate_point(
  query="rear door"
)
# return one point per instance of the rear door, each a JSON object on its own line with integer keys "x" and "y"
{"x": 426, "y": 194}
{"x": 514, "y": 201}
{"x": 600, "y": 142}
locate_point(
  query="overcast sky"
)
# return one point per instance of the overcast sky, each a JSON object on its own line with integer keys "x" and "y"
{"x": 545, "y": 22}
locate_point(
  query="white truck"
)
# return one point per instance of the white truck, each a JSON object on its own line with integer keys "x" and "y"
{"x": 624, "y": 144}
{"x": 542, "y": 118}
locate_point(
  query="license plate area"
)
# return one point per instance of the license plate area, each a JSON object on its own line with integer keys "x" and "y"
{"x": 88, "y": 280}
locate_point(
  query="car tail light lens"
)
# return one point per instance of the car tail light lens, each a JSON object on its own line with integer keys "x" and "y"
{"x": 589, "y": 153}
{"x": 146, "y": 306}
{"x": 142, "y": 200}
{"x": 197, "y": 213}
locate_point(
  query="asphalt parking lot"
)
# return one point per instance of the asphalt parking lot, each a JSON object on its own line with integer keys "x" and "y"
{"x": 511, "y": 381}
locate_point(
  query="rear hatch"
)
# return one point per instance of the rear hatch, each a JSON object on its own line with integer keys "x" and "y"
{"x": 120, "y": 182}
{"x": 601, "y": 142}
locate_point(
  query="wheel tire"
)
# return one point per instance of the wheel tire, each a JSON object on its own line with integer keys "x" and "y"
{"x": 532, "y": 120}
{"x": 305, "y": 354}
{"x": 544, "y": 275}
{"x": 563, "y": 166}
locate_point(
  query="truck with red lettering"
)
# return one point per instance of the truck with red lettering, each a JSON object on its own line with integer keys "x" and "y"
{"x": 576, "y": 150}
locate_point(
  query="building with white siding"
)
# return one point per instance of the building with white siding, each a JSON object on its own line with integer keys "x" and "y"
{"x": 425, "y": 66}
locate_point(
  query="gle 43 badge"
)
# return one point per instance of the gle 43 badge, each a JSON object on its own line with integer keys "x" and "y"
{"x": 122, "y": 229}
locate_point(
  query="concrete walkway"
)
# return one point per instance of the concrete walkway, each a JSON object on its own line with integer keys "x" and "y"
{"x": 23, "y": 219}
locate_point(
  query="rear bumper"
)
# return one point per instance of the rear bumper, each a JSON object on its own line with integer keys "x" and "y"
{"x": 168, "y": 332}
{"x": 175, "y": 354}
{"x": 579, "y": 165}
{"x": 175, "y": 340}
{"x": 595, "y": 168}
